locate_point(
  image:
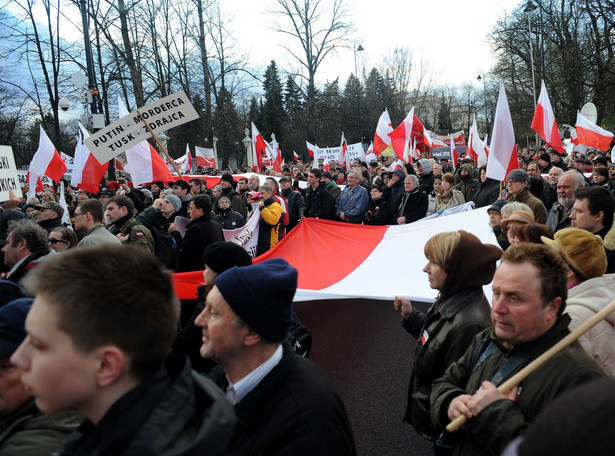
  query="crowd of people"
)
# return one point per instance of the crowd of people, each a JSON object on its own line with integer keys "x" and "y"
{"x": 95, "y": 346}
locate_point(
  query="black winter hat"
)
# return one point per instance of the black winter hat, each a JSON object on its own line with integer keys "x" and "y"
{"x": 262, "y": 296}
{"x": 221, "y": 256}
{"x": 228, "y": 178}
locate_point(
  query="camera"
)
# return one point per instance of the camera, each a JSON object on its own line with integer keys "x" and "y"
{"x": 64, "y": 104}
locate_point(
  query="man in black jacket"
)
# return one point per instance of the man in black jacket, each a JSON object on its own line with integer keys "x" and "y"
{"x": 295, "y": 204}
{"x": 318, "y": 201}
{"x": 284, "y": 404}
{"x": 98, "y": 335}
{"x": 200, "y": 232}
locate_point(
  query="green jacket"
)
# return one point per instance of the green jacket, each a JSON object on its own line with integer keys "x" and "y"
{"x": 29, "y": 432}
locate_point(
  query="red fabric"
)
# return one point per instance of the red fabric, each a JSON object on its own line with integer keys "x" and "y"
{"x": 302, "y": 248}
{"x": 160, "y": 171}
{"x": 543, "y": 113}
{"x": 92, "y": 174}
{"x": 56, "y": 168}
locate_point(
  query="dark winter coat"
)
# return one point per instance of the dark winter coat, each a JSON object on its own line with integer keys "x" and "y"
{"x": 230, "y": 219}
{"x": 487, "y": 193}
{"x": 200, "y": 233}
{"x": 319, "y": 203}
{"x": 177, "y": 413}
{"x": 294, "y": 410}
{"x": 379, "y": 212}
{"x": 503, "y": 420}
{"x": 413, "y": 206}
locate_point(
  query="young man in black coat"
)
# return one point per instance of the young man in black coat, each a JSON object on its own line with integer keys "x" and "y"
{"x": 284, "y": 404}
{"x": 200, "y": 232}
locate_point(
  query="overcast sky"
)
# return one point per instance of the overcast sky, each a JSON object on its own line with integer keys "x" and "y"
{"x": 451, "y": 34}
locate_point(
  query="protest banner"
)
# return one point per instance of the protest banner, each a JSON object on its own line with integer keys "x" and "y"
{"x": 326, "y": 154}
{"x": 246, "y": 236}
{"x": 9, "y": 179}
{"x": 161, "y": 115}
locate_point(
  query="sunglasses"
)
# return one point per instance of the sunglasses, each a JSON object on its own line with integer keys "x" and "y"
{"x": 55, "y": 241}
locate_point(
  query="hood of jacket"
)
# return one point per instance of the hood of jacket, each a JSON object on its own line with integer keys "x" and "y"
{"x": 460, "y": 276}
{"x": 426, "y": 165}
{"x": 594, "y": 294}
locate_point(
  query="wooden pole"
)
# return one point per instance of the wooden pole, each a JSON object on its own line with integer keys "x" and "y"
{"x": 161, "y": 146}
{"x": 546, "y": 356}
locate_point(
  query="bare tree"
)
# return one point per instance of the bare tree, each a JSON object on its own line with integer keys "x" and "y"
{"x": 319, "y": 26}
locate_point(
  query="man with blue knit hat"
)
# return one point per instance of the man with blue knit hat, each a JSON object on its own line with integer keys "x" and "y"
{"x": 283, "y": 403}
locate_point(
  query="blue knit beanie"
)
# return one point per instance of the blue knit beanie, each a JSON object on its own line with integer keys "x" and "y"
{"x": 262, "y": 296}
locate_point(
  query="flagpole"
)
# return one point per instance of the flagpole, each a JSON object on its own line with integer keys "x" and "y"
{"x": 161, "y": 146}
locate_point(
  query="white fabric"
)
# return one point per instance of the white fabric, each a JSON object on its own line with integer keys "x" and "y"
{"x": 502, "y": 139}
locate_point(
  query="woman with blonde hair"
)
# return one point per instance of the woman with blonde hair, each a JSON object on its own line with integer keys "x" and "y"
{"x": 450, "y": 196}
{"x": 460, "y": 311}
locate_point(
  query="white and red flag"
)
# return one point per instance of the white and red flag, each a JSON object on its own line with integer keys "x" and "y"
{"x": 185, "y": 163}
{"x": 503, "y": 155}
{"x": 382, "y": 140}
{"x": 544, "y": 121}
{"x": 259, "y": 146}
{"x": 296, "y": 157}
{"x": 454, "y": 154}
{"x": 205, "y": 157}
{"x": 145, "y": 164}
{"x": 476, "y": 149}
{"x": 47, "y": 160}
{"x": 400, "y": 137}
{"x": 343, "y": 159}
{"x": 87, "y": 171}
{"x": 311, "y": 148}
{"x": 592, "y": 135}
{"x": 277, "y": 156}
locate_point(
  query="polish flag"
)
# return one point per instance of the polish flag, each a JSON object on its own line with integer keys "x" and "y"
{"x": 311, "y": 148}
{"x": 185, "y": 163}
{"x": 544, "y": 121}
{"x": 296, "y": 157}
{"x": 62, "y": 202}
{"x": 146, "y": 165}
{"x": 259, "y": 146}
{"x": 205, "y": 157}
{"x": 592, "y": 135}
{"x": 277, "y": 156}
{"x": 118, "y": 165}
{"x": 454, "y": 154}
{"x": 47, "y": 161}
{"x": 503, "y": 156}
{"x": 382, "y": 140}
{"x": 35, "y": 185}
{"x": 87, "y": 170}
{"x": 370, "y": 156}
{"x": 400, "y": 137}
{"x": 476, "y": 147}
{"x": 343, "y": 158}
{"x": 397, "y": 164}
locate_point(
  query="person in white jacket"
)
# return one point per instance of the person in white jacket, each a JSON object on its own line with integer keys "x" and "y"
{"x": 589, "y": 291}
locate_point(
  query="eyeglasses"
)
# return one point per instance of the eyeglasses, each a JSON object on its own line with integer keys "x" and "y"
{"x": 80, "y": 213}
{"x": 511, "y": 182}
{"x": 55, "y": 241}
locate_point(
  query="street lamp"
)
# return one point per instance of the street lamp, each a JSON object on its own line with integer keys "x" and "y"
{"x": 358, "y": 48}
{"x": 529, "y": 7}
{"x": 483, "y": 76}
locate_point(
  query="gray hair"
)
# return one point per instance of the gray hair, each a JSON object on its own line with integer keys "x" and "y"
{"x": 28, "y": 230}
{"x": 579, "y": 179}
{"x": 514, "y": 206}
{"x": 355, "y": 172}
{"x": 413, "y": 178}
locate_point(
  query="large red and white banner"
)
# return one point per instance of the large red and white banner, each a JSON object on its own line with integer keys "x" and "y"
{"x": 379, "y": 262}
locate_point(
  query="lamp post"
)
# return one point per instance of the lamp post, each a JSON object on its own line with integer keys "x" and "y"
{"x": 483, "y": 76}
{"x": 358, "y": 48}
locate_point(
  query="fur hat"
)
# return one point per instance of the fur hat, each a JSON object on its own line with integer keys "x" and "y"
{"x": 262, "y": 296}
{"x": 582, "y": 251}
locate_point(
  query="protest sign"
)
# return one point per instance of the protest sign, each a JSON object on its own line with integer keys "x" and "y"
{"x": 161, "y": 115}
{"x": 9, "y": 180}
{"x": 246, "y": 236}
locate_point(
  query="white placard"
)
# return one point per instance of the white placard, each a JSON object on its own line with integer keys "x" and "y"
{"x": 9, "y": 180}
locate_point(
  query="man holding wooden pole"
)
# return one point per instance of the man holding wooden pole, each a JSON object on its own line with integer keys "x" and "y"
{"x": 529, "y": 297}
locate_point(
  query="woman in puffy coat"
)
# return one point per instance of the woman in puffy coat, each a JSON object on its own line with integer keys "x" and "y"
{"x": 227, "y": 217}
{"x": 460, "y": 312}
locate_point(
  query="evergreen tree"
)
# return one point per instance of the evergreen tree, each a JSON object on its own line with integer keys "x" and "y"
{"x": 329, "y": 115}
{"x": 353, "y": 106}
{"x": 273, "y": 109}
{"x": 228, "y": 129}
